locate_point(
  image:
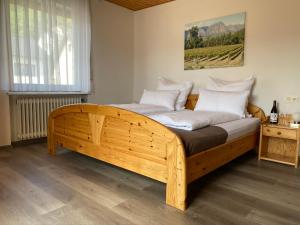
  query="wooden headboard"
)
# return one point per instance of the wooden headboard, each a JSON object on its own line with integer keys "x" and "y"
{"x": 252, "y": 109}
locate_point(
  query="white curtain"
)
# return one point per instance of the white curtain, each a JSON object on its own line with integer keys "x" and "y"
{"x": 48, "y": 45}
{"x": 4, "y": 53}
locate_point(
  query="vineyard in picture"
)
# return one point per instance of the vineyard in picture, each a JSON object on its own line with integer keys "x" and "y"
{"x": 215, "y": 43}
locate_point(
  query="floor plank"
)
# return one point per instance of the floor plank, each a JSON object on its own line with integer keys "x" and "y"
{"x": 41, "y": 201}
{"x": 36, "y": 188}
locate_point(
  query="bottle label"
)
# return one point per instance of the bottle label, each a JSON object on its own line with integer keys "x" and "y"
{"x": 274, "y": 118}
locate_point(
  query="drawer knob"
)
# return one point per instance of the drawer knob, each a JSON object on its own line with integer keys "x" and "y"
{"x": 268, "y": 130}
{"x": 279, "y": 133}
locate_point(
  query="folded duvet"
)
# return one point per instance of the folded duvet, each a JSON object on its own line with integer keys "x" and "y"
{"x": 193, "y": 120}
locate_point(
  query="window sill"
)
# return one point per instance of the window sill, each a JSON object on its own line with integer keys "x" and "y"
{"x": 47, "y": 93}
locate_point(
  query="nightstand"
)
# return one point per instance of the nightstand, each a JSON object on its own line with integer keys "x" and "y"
{"x": 279, "y": 143}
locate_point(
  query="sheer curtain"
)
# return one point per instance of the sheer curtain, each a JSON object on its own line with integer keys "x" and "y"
{"x": 48, "y": 45}
{"x": 4, "y": 53}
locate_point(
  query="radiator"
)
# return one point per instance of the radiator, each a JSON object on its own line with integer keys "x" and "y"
{"x": 31, "y": 114}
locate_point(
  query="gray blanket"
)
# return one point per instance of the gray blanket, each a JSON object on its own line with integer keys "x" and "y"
{"x": 202, "y": 139}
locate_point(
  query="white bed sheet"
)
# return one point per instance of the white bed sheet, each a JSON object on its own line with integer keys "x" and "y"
{"x": 240, "y": 128}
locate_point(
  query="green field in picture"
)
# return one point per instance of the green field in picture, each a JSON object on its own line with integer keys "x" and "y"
{"x": 212, "y": 57}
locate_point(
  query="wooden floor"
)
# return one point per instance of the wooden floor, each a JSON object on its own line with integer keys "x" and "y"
{"x": 70, "y": 188}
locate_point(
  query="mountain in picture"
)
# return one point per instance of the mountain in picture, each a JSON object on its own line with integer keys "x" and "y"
{"x": 215, "y": 43}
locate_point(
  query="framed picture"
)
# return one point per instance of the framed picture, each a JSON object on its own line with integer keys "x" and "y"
{"x": 215, "y": 43}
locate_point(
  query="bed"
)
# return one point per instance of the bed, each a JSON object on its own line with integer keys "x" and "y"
{"x": 142, "y": 145}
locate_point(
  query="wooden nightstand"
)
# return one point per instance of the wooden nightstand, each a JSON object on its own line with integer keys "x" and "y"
{"x": 279, "y": 143}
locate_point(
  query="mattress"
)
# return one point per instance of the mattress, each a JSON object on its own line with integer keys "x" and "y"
{"x": 240, "y": 128}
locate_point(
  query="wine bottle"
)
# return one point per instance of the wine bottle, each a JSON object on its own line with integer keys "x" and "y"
{"x": 274, "y": 114}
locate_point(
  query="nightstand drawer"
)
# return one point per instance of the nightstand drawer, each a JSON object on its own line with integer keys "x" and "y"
{"x": 280, "y": 133}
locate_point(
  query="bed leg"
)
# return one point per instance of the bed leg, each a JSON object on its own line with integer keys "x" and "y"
{"x": 176, "y": 184}
{"x": 176, "y": 194}
{"x": 51, "y": 142}
{"x": 51, "y": 148}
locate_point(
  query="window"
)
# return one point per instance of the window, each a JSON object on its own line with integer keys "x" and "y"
{"x": 49, "y": 45}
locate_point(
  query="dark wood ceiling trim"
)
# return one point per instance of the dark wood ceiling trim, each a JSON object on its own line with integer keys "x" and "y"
{"x": 136, "y": 5}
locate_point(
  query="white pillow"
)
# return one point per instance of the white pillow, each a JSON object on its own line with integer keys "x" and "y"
{"x": 162, "y": 98}
{"x": 220, "y": 101}
{"x": 184, "y": 88}
{"x": 216, "y": 84}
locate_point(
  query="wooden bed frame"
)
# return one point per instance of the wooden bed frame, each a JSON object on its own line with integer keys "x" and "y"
{"x": 142, "y": 145}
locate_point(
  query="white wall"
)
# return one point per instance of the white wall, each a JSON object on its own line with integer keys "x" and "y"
{"x": 4, "y": 120}
{"x": 272, "y": 51}
{"x": 112, "y": 53}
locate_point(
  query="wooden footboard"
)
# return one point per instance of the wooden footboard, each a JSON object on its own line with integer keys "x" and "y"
{"x": 125, "y": 139}
{"x": 139, "y": 144}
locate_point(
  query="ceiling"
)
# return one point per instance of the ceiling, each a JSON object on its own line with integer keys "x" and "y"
{"x": 136, "y": 5}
